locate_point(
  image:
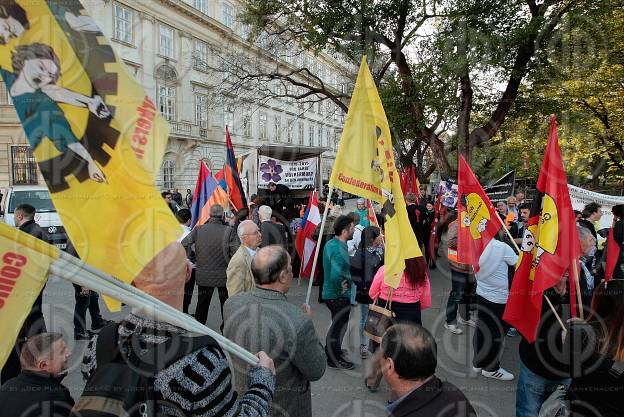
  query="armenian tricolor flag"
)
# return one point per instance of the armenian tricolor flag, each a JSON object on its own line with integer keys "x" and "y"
{"x": 207, "y": 193}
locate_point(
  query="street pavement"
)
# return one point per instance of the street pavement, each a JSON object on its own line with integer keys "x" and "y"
{"x": 339, "y": 393}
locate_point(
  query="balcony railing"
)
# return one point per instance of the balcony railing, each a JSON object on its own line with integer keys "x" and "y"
{"x": 187, "y": 129}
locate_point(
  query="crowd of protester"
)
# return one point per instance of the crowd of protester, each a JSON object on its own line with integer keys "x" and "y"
{"x": 249, "y": 259}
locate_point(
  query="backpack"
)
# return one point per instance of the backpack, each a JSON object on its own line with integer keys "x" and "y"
{"x": 123, "y": 384}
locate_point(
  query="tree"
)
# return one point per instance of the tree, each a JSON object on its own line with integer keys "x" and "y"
{"x": 440, "y": 61}
{"x": 583, "y": 84}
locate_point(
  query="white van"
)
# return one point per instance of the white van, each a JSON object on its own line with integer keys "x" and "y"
{"x": 37, "y": 196}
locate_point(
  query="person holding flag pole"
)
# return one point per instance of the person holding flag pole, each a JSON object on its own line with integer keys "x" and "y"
{"x": 373, "y": 175}
{"x": 549, "y": 253}
{"x": 155, "y": 296}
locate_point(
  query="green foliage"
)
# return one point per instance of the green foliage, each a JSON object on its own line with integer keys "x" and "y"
{"x": 581, "y": 80}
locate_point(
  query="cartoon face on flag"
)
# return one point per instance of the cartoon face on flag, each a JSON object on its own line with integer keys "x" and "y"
{"x": 96, "y": 135}
{"x": 541, "y": 235}
{"x": 476, "y": 215}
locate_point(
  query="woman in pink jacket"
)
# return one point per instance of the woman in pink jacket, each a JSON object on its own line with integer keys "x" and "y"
{"x": 411, "y": 297}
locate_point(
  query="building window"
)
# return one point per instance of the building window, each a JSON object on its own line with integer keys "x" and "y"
{"x": 228, "y": 15}
{"x": 247, "y": 123}
{"x": 301, "y": 134}
{"x": 167, "y": 101}
{"x": 166, "y": 41}
{"x": 201, "y": 5}
{"x": 262, "y": 125}
{"x": 319, "y": 138}
{"x": 123, "y": 23}
{"x": 228, "y": 118}
{"x": 201, "y": 110}
{"x": 201, "y": 56}
{"x": 277, "y": 126}
{"x": 168, "y": 175}
{"x": 311, "y": 135}
{"x": 290, "y": 124}
{"x": 24, "y": 165}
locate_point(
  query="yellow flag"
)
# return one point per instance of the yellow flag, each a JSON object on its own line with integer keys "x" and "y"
{"x": 97, "y": 137}
{"x": 365, "y": 167}
{"x": 24, "y": 263}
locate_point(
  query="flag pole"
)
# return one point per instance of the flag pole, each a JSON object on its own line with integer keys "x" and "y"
{"x": 318, "y": 244}
{"x": 518, "y": 249}
{"x": 508, "y": 233}
{"x": 66, "y": 268}
{"x": 578, "y": 288}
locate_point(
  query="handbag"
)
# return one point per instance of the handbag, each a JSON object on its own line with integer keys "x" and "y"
{"x": 379, "y": 319}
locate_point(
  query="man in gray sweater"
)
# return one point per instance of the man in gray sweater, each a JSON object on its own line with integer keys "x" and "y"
{"x": 263, "y": 319}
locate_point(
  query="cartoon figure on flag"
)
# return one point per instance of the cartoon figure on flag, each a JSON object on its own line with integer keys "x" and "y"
{"x": 32, "y": 85}
{"x": 541, "y": 235}
{"x": 476, "y": 215}
{"x": 91, "y": 128}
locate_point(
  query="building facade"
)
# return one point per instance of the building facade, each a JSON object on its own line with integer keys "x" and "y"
{"x": 168, "y": 47}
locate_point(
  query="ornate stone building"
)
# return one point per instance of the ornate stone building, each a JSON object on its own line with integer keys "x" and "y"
{"x": 168, "y": 46}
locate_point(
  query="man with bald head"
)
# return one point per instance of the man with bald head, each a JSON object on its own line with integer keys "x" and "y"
{"x": 210, "y": 392}
{"x": 239, "y": 276}
{"x": 215, "y": 243}
{"x": 263, "y": 319}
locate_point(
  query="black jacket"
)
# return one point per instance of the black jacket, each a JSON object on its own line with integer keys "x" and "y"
{"x": 35, "y": 230}
{"x": 364, "y": 266}
{"x": 273, "y": 234}
{"x": 545, "y": 356}
{"x": 597, "y": 388}
{"x": 31, "y": 394}
{"x": 435, "y": 398}
{"x": 215, "y": 244}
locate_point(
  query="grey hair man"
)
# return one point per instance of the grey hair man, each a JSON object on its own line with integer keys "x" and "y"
{"x": 44, "y": 359}
{"x": 215, "y": 244}
{"x": 239, "y": 276}
{"x": 273, "y": 233}
{"x": 587, "y": 280}
{"x": 210, "y": 392}
{"x": 264, "y": 319}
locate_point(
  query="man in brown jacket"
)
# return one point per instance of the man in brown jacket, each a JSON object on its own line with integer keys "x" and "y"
{"x": 239, "y": 276}
{"x": 460, "y": 278}
{"x": 215, "y": 244}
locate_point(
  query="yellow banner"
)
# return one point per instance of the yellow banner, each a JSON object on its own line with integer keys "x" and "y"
{"x": 97, "y": 137}
{"x": 365, "y": 167}
{"x": 24, "y": 263}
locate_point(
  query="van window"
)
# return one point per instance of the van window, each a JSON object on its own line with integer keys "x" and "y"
{"x": 39, "y": 199}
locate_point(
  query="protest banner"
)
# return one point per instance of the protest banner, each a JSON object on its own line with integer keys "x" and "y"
{"x": 580, "y": 197}
{"x": 296, "y": 175}
{"x": 502, "y": 188}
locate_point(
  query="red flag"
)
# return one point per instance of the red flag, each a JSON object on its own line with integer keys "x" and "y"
{"x": 370, "y": 213}
{"x": 613, "y": 254}
{"x": 550, "y": 244}
{"x": 232, "y": 177}
{"x": 477, "y": 217}
{"x": 409, "y": 181}
{"x": 304, "y": 244}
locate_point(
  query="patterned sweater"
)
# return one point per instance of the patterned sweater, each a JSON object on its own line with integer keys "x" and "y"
{"x": 199, "y": 383}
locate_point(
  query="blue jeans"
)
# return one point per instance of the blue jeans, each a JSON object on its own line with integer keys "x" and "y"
{"x": 363, "y": 315}
{"x": 533, "y": 390}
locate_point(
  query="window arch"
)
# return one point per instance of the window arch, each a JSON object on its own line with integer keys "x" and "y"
{"x": 166, "y": 80}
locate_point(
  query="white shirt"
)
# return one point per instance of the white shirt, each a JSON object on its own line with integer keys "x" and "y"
{"x": 354, "y": 243}
{"x": 251, "y": 251}
{"x": 492, "y": 281}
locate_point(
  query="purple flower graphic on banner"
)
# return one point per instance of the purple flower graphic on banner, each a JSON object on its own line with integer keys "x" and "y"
{"x": 271, "y": 171}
